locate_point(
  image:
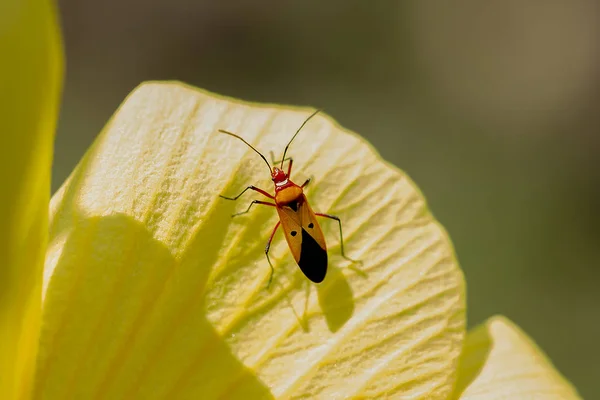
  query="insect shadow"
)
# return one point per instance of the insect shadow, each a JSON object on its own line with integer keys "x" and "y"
{"x": 335, "y": 298}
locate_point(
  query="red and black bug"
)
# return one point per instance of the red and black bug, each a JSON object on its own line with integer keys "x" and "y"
{"x": 302, "y": 231}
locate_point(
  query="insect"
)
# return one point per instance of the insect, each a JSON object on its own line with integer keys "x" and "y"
{"x": 300, "y": 226}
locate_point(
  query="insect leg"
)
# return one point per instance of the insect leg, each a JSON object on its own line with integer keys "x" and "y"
{"x": 273, "y": 158}
{"x": 244, "y": 191}
{"x": 267, "y": 253}
{"x": 306, "y": 182}
{"x": 251, "y": 204}
{"x": 282, "y": 161}
{"x": 341, "y": 236}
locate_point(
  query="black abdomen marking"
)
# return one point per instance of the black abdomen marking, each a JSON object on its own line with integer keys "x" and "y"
{"x": 313, "y": 259}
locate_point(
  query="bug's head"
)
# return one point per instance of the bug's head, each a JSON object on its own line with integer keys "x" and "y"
{"x": 278, "y": 175}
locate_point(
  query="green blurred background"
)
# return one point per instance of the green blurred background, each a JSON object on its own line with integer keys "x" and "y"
{"x": 493, "y": 108}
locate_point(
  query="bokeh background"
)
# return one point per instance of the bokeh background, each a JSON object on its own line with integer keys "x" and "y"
{"x": 493, "y": 108}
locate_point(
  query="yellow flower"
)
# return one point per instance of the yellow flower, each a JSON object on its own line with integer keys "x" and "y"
{"x": 30, "y": 80}
{"x": 151, "y": 290}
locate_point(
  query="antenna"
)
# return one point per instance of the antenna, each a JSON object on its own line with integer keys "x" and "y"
{"x": 249, "y": 145}
{"x": 293, "y": 137}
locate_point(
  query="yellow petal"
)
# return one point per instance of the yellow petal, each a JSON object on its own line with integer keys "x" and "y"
{"x": 500, "y": 362}
{"x": 154, "y": 291}
{"x": 30, "y": 77}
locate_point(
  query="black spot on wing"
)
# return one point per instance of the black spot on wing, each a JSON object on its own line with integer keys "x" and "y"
{"x": 313, "y": 259}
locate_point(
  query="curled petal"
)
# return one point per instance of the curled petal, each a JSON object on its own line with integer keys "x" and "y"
{"x": 154, "y": 291}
